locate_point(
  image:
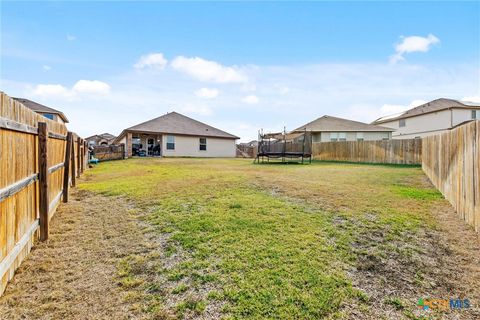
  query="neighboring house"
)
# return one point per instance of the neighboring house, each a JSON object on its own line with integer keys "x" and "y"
{"x": 247, "y": 149}
{"x": 45, "y": 111}
{"x": 430, "y": 118}
{"x": 175, "y": 135}
{"x": 328, "y": 128}
{"x": 253, "y": 143}
{"x": 103, "y": 139}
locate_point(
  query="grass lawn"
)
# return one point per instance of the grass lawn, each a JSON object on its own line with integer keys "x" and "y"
{"x": 237, "y": 240}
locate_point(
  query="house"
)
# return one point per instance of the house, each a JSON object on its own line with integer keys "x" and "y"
{"x": 103, "y": 139}
{"x": 328, "y": 128}
{"x": 45, "y": 111}
{"x": 175, "y": 135}
{"x": 247, "y": 149}
{"x": 430, "y": 118}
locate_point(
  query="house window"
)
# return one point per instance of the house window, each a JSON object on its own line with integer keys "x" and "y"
{"x": 49, "y": 116}
{"x": 203, "y": 144}
{"x": 401, "y": 123}
{"x": 475, "y": 114}
{"x": 170, "y": 142}
{"x": 342, "y": 136}
{"x": 333, "y": 136}
{"x": 359, "y": 136}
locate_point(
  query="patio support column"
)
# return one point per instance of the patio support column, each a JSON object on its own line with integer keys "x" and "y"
{"x": 129, "y": 144}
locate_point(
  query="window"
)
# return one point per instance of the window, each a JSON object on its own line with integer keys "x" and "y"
{"x": 401, "y": 123}
{"x": 475, "y": 114}
{"x": 342, "y": 136}
{"x": 49, "y": 116}
{"x": 203, "y": 144}
{"x": 170, "y": 142}
{"x": 359, "y": 136}
{"x": 333, "y": 136}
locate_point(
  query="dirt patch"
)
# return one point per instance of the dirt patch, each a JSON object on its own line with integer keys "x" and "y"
{"x": 74, "y": 274}
{"x": 429, "y": 264}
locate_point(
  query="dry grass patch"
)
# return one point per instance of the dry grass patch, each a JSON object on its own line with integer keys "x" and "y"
{"x": 260, "y": 241}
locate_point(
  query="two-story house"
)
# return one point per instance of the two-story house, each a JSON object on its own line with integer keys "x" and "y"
{"x": 430, "y": 118}
{"x": 45, "y": 111}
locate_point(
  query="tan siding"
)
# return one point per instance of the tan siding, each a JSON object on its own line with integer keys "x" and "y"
{"x": 187, "y": 146}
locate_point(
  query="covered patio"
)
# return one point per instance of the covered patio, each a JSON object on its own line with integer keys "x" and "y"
{"x": 144, "y": 144}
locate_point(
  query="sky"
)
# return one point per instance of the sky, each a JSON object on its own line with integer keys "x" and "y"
{"x": 237, "y": 66}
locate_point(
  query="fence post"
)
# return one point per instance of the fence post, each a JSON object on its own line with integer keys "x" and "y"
{"x": 82, "y": 163}
{"x": 73, "y": 163}
{"x": 43, "y": 179}
{"x": 79, "y": 156}
{"x": 66, "y": 169}
{"x": 85, "y": 154}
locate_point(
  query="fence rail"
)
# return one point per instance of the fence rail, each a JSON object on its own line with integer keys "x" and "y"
{"x": 34, "y": 164}
{"x": 408, "y": 151}
{"x": 452, "y": 162}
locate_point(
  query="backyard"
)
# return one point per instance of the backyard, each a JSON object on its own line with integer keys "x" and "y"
{"x": 224, "y": 238}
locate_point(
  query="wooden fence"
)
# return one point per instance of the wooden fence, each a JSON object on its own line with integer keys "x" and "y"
{"x": 408, "y": 151}
{"x": 39, "y": 159}
{"x": 112, "y": 152}
{"x": 244, "y": 151}
{"x": 452, "y": 162}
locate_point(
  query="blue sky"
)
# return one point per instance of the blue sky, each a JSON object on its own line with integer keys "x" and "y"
{"x": 237, "y": 66}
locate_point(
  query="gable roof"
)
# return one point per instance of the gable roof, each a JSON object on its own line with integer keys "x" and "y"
{"x": 40, "y": 108}
{"x": 106, "y": 136}
{"x": 432, "y": 106}
{"x": 329, "y": 123}
{"x": 176, "y": 123}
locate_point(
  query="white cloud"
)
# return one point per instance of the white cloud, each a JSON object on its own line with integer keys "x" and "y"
{"x": 91, "y": 87}
{"x": 207, "y": 93}
{"x": 71, "y": 37}
{"x": 46, "y": 68}
{"x": 152, "y": 60}
{"x": 46, "y": 90}
{"x": 81, "y": 87}
{"x": 205, "y": 70}
{"x": 251, "y": 99}
{"x": 472, "y": 99}
{"x": 413, "y": 44}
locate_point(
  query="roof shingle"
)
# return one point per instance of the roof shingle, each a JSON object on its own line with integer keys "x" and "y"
{"x": 329, "y": 123}
{"x": 432, "y": 106}
{"x": 176, "y": 123}
{"x": 37, "y": 107}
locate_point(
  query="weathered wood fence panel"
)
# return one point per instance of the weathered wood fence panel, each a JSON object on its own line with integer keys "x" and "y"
{"x": 408, "y": 151}
{"x": 452, "y": 162}
{"x": 26, "y": 191}
{"x": 112, "y": 152}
